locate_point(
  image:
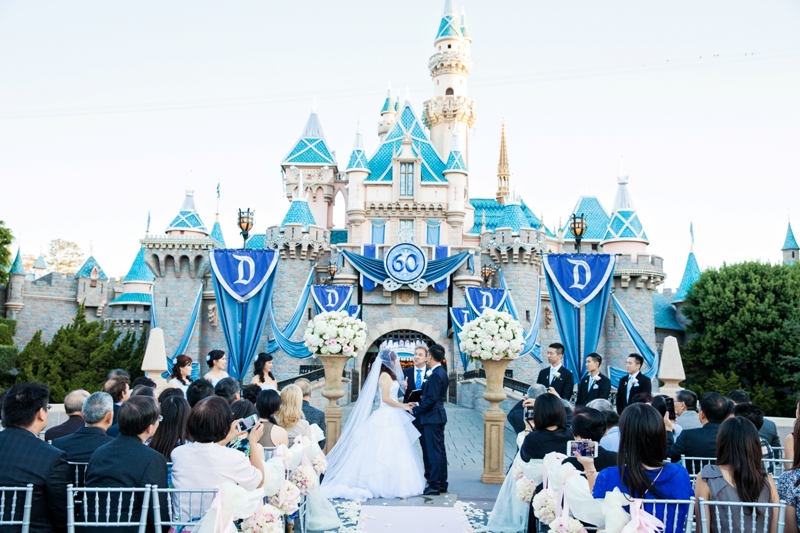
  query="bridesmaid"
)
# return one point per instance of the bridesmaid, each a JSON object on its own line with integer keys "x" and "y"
{"x": 262, "y": 372}
{"x": 217, "y": 364}
{"x": 181, "y": 371}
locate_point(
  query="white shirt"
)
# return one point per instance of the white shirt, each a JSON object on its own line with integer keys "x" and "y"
{"x": 214, "y": 380}
{"x": 631, "y": 379}
{"x": 178, "y": 384}
{"x": 553, "y": 371}
{"x": 220, "y": 464}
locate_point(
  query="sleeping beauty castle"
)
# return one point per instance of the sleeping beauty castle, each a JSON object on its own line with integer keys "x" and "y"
{"x": 413, "y": 190}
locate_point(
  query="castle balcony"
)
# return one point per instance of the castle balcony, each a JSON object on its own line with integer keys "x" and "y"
{"x": 505, "y": 245}
{"x": 295, "y": 241}
{"x": 644, "y": 271}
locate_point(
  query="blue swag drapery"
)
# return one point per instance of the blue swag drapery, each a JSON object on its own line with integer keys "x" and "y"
{"x": 650, "y": 356}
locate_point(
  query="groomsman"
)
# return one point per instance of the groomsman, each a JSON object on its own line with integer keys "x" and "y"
{"x": 632, "y": 384}
{"x": 557, "y": 379}
{"x": 594, "y": 385}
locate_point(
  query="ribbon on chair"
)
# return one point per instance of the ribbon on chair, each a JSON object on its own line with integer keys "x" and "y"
{"x": 642, "y": 521}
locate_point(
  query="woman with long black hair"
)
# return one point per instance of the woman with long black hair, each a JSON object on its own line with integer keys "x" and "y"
{"x": 267, "y": 405}
{"x": 738, "y": 476}
{"x": 171, "y": 432}
{"x": 789, "y": 482}
{"x": 181, "y": 372}
{"x": 262, "y": 372}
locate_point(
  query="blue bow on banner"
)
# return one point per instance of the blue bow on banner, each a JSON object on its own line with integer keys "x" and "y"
{"x": 479, "y": 299}
{"x": 243, "y": 283}
{"x": 329, "y": 298}
{"x": 460, "y": 316}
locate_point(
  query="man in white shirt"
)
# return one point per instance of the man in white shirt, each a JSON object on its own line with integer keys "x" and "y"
{"x": 557, "y": 379}
{"x": 632, "y": 384}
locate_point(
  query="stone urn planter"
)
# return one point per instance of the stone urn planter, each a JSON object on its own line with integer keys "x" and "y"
{"x": 334, "y": 367}
{"x": 494, "y": 420}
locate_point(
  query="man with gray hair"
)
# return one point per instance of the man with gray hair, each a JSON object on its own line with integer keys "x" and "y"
{"x": 601, "y": 405}
{"x": 98, "y": 412}
{"x": 312, "y": 414}
{"x": 516, "y": 416}
{"x": 73, "y": 402}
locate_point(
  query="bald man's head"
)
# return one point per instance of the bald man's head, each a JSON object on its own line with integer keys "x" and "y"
{"x": 73, "y": 402}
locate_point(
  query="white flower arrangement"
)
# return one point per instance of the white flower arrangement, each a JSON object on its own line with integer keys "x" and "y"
{"x": 266, "y": 519}
{"x": 525, "y": 489}
{"x": 494, "y": 335}
{"x": 287, "y": 499}
{"x": 517, "y": 472}
{"x": 305, "y": 478}
{"x": 320, "y": 463}
{"x": 334, "y": 333}
{"x": 545, "y": 505}
{"x": 566, "y": 525}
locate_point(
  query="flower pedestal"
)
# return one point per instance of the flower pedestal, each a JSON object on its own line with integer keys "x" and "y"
{"x": 494, "y": 421}
{"x": 334, "y": 366}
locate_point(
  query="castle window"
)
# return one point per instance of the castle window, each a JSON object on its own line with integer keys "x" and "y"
{"x": 406, "y": 233}
{"x": 406, "y": 179}
{"x": 449, "y": 92}
{"x": 124, "y": 307}
{"x": 449, "y": 46}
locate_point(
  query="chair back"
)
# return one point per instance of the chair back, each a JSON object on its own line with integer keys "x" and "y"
{"x": 108, "y": 507}
{"x": 694, "y": 465}
{"x": 15, "y": 506}
{"x": 185, "y": 507}
{"x": 78, "y": 473}
{"x": 671, "y": 512}
{"x": 776, "y": 467}
{"x": 740, "y": 517}
{"x": 269, "y": 451}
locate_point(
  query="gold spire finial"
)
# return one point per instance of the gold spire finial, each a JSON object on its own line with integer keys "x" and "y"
{"x": 503, "y": 172}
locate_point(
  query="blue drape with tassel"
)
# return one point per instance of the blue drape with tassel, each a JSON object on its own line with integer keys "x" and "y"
{"x": 650, "y": 356}
{"x": 532, "y": 344}
{"x": 297, "y": 316}
{"x": 187, "y": 336}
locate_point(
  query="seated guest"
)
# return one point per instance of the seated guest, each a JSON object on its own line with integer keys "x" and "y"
{"x": 267, "y": 405}
{"x": 126, "y": 461}
{"x": 199, "y": 390}
{"x": 686, "y": 409}
{"x": 516, "y": 416}
{"x": 755, "y": 414}
{"x": 550, "y": 432}
{"x": 789, "y": 483}
{"x": 601, "y": 405}
{"x": 290, "y": 417}
{"x": 590, "y": 425}
{"x": 641, "y": 471}
{"x": 242, "y": 409}
{"x": 659, "y": 402}
{"x": 312, "y": 414}
{"x": 227, "y": 388}
{"x": 769, "y": 430}
{"x": 181, "y": 373}
{"x": 73, "y": 403}
{"x": 211, "y": 427}
{"x": 738, "y": 476}
{"x": 171, "y": 431}
{"x": 610, "y": 440}
{"x": 714, "y": 409}
{"x": 118, "y": 372}
{"x": 169, "y": 392}
{"x": 28, "y": 459}
{"x": 250, "y": 393}
{"x": 788, "y": 451}
{"x": 119, "y": 388}
{"x": 143, "y": 390}
{"x": 98, "y": 412}
{"x": 143, "y": 380}
{"x": 641, "y": 397}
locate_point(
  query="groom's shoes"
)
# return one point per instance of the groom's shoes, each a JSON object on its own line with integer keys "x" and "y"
{"x": 431, "y": 492}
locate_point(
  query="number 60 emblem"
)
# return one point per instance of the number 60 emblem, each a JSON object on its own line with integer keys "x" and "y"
{"x": 405, "y": 262}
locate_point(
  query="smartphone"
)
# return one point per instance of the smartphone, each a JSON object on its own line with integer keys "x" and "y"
{"x": 670, "y": 408}
{"x": 246, "y": 424}
{"x": 583, "y": 448}
{"x": 528, "y": 413}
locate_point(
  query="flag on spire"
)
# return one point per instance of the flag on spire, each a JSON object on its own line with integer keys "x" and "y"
{"x": 148, "y": 222}
{"x": 691, "y": 231}
{"x": 217, "y": 190}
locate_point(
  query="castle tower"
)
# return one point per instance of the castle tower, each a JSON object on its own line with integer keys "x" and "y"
{"x": 503, "y": 172}
{"x": 132, "y": 307}
{"x": 357, "y": 171}
{"x": 456, "y": 173}
{"x": 624, "y": 234}
{"x": 691, "y": 273}
{"x": 450, "y": 111}
{"x": 39, "y": 267}
{"x": 93, "y": 287}
{"x": 187, "y": 223}
{"x": 15, "y": 303}
{"x": 388, "y": 113}
{"x": 791, "y": 251}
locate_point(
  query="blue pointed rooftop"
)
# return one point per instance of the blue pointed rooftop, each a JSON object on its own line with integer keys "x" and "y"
{"x": 388, "y": 105}
{"x": 514, "y": 218}
{"x": 188, "y": 218}
{"x": 40, "y": 263}
{"x": 256, "y": 242}
{"x": 310, "y": 148}
{"x": 139, "y": 271}
{"x": 690, "y": 274}
{"x": 449, "y": 26}
{"x": 624, "y": 223}
{"x": 790, "y": 243}
{"x": 216, "y": 233}
{"x": 596, "y": 219}
{"x": 455, "y": 162}
{"x": 665, "y": 314}
{"x": 18, "y": 267}
{"x": 495, "y": 213}
{"x": 299, "y": 213}
{"x": 86, "y": 270}
{"x": 358, "y": 158}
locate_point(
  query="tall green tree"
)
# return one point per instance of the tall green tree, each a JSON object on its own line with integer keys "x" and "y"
{"x": 745, "y": 321}
{"x": 6, "y": 237}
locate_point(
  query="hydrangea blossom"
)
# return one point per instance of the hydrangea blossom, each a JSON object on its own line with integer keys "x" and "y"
{"x": 335, "y": 332}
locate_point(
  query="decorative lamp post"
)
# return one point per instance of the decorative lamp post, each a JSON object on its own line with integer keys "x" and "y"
{"x": 245, "y": 224}
{"x": 486, "y": 272}
{"x": 578, "y": 227}
{"x": 332, "y": 269}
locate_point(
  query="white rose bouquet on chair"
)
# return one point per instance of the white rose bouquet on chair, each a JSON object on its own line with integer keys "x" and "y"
{"x": 266, "y": 519}
{"x": 494, "y": 335}
{"x": 335, "y": 333}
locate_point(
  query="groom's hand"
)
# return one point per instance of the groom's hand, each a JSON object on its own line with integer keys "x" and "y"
{"x": 412, "y": 404}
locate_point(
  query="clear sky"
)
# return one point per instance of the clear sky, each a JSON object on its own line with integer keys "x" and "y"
{"x": 111, "y": 109}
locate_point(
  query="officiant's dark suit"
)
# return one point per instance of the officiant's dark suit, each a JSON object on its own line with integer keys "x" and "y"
{"x": 601, "y": 389}
{"x": 432, "y": 417}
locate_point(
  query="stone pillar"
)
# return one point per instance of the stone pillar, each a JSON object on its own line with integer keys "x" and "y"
{"x": 671, "y": 370}
{"x": 494, "y": 420}
{"x": 155, "y": 359}
{"x": 334, "y": 366}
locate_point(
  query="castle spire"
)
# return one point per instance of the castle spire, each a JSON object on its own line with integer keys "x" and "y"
{"x": 503, "y": 172}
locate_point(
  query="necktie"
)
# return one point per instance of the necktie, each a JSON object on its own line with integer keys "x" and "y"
{"x": 628, "y": 392}
{"x": 591, "y": 380}
{"x": 419, "y": 378}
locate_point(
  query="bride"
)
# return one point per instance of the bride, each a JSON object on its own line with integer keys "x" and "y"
{"x": 375, "y": 456}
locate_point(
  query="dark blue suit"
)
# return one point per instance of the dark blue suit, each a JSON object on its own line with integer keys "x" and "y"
{"x": 80, "y": 446}
{"x": 432, "y": 416}
{"x": 410, "y": 374}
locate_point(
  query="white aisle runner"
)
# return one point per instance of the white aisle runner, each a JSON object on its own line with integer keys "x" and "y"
{"x": 405, "y": 519}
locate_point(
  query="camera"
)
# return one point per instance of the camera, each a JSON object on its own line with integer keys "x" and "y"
{"x": 246, "y": 424}
{"x": 585, "y": 448}
{"x": 528, "y": 413}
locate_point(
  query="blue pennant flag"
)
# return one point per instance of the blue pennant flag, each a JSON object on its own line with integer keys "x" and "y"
{"x": 354, "y": 310}
{"x": 331, "y": 297}
{"x": 242, "y": 273}
{"x": 460, "y": 316}
{"x": 579, "y": 277}
{"x": 480, "y": 299}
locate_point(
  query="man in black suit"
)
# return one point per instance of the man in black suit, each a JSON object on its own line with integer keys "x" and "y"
{"x": 28, "y": 459}
{"x": 594, "y": 385}
{"x": 557, "y": 379}
{"x": 73, "y": 403}
{"x": 433, "y": 418}
{"x": 127, "y": 462}
{"x": 98, "y": 412}
{"x": 415, "y": 377}
{"x": 768, "y": 431}
{"x": 702, "y": 442}
{"x": 632, "y": 384}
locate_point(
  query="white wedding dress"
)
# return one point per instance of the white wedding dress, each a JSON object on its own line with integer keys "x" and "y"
{"x": 380, "y": 460}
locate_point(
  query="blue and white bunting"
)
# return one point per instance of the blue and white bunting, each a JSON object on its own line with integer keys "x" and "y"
{"x": 329, "y": 298}
{"x": 579, "y": 277}
{"x": 242, "y": 273}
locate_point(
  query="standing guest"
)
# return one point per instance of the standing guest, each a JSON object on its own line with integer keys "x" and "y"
{"x": 769, "y": 430}
{"x": 227, "y": 388}
{"x": 28, "y": 459}
{"x": 199, "y": 390}
{"x": 641, "y": 471}
{"x": 73, "y": 403}
{"x": 171, "y": 431}
{"x": 738, "y": 476}
{"x": 686, "y": 409}
{"x": 557, "y": 379}
{"x": 632, "y": 384}
{"x": 291, "y": 417}
{"x": 312, "y": 414}
{"x": 789, "y": 482}
{"x": 168, "y": 393}
{"x": 590, "y": 425}
{"x": 120, "y": 390}
{"x": 250, "y": 393}
{"x": 267, "y": 405}
{"x": 714, "y": 409}
{"x": 98, "y": 412}
{"x": 659, "y": 402}
{"x": 516, "y": 416}
{"x": 143, "y": 380}
{"x": 610, "y": 440}
{"x": 594, "y": 385}
{"x": 262, "y": 372}
{"x": 181, "y": 373}
{"x": 127, "y": 462}
{"x": 217, "y": 366}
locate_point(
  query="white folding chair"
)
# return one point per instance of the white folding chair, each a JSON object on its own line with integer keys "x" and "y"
{"x": 723, "y": 515}
{"x": 185, "y": 507}
{"x": 79, "y": 473}
{"x": 12, "y": 505}
{"x": 670, "y": 512}
{"x": 108, "y": 507}
{"x": 776, "y": 467}
{"x": 694, "y": 465}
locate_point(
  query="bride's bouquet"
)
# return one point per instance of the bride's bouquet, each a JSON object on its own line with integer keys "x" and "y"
{"x": 494, "y": 335}
{"x": 335, "y": 332}
{"x": 266, "y": 519}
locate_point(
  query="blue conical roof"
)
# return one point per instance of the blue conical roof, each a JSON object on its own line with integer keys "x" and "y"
{"x": 310, "y": 148}
{"x": 624, "y": 224}
{"x": 299, "y": 213}
{"x": 216, "y": 233}
{"x": 358, "y": 158}
{"x": 40, "y": 263}
{"x": 455, "y": 162}
{"x": 790, "y": 243}
{"x": 449, "y": 26}
{"x": 18, "y": 267}
{"x": 86, "y": 270}
{"x": 690, "y": 274}
{"x": 188, "y": 218}
{"x": 514, "y": 218}
{"x": 139, "y": 271}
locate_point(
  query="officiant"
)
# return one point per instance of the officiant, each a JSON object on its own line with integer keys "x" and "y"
{"x": 415, "y": 377}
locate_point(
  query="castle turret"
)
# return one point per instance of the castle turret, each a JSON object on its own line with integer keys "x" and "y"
{"x": 388, "y": 113}
{"x": 624, "y": 234}
{"x": 39, "y": 267}
{"x": 456, "y": 173}
{"x": 93, "y": 287}
{"x": 216, "y": 232}
{"x": 14, "y": 303}
{"x": 791, "y": 251}
{"x": 357, "y": 171}
{"x": 187, "y": 223}
{"x": 691, "y": 273}
{"x": 131, "y": 309}
{"x": 503, "y": 171}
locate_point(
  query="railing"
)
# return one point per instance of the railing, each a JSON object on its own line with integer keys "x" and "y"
{"x": 309, "y": 372}
{"x": 508, "y": 381}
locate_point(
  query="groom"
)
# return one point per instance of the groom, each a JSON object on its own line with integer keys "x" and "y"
{"x": 432, "y": 416}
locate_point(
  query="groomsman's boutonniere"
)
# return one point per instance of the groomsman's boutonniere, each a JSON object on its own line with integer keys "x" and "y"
{"x": 634, "y": 383}
{"x": 428, "y": 374}
{"x": 557, "y": 375}
{"x": 596, "y": 378}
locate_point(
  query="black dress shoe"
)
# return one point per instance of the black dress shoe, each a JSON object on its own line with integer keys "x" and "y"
{"x": 431, "y": 492}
